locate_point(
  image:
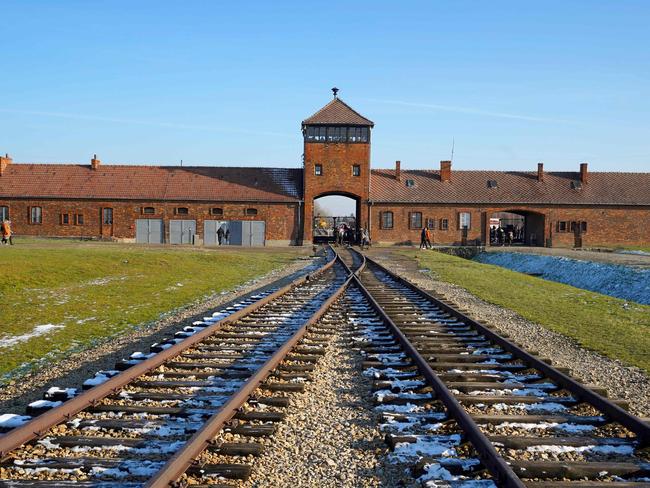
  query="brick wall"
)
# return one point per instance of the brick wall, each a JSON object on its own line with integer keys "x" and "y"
{"x": 281, "y": 218}
{"x": 605, "y": 225}
{"x": 337, "y": 160}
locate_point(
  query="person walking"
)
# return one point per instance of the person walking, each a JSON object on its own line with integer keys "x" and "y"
{"x": 428, "y": 237}
{"x": 227, "y": 236}
{"x": 6, "y": 232}
{"x": 423, "y": 238}
{"x": 220, "y": 235}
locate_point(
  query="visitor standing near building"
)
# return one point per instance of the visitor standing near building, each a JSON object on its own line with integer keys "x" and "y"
{"x": 6, "y": 232}
{"x": 220, "y": 235}
{"x": 227, "y": 236}
{"x": 365, "y": 240}
{"x": 428, "y": 236}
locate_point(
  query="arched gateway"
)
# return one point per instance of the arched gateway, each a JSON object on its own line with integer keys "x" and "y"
{"x": 336, "y": 160}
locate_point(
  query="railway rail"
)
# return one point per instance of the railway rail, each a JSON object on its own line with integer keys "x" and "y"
{"x": 461, "y": 405}
{"x": 146, "y": 425}
{"x": 530, "y": 424}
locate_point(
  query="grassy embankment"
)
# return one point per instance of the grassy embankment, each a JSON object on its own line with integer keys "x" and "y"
{"x": 91, "y": 291}
{"x": 611, "y": 326}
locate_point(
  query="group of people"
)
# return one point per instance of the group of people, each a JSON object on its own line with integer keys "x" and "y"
{"x": 5, "y": 228}
{"x": 223, "y": 237}
{"x": 346, "y": 235}
{"x": 426, "y": 238}
{"x": 505, "y": 237}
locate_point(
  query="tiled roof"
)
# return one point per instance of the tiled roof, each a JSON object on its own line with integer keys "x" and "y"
{"x": 337, "y": 112}
{"x": 471, "y": 187}
{"x": 196, "y": 183}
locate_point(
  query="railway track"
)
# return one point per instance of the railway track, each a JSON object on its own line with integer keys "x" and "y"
{"x": 460, "y": 405}
{"x": 147, "y": 425}
{"x": 528, "y": 424}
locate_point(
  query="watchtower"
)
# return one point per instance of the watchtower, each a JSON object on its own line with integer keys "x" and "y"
{"x": 336, "y": 158}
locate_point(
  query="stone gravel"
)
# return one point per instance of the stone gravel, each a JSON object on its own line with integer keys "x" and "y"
{"x": 71, "y": 372}
{"x": 330, "y": 437}
{"x": 589, "y": 367}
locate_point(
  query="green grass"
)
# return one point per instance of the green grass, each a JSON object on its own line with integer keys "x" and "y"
{"x": 608, "y": 325}
{"x": 95, "y": 290}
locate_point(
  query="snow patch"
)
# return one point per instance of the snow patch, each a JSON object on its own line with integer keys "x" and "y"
{"x": 39, "y": 330}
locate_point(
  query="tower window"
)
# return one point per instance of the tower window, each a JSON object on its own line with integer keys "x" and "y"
{"x": 356, "y": 170}
{"x": 336, "y": 133}
{"x": 318, "y": 169}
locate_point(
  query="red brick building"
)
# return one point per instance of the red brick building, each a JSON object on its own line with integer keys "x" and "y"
{"x": 274, "y": 206}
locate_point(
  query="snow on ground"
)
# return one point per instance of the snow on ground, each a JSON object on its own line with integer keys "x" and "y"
{"x": 615, "y": 280}
{"x": 39, "y": 330}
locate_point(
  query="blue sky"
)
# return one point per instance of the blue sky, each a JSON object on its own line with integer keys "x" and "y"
{"x": 227, "y": 83}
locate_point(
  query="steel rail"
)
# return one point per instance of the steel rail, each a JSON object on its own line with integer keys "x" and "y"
{"x": 613, "y": 411}
{"x": 503, "y": 474}
{"x": 41, "y": 424}
{"x": 179, "y": 463}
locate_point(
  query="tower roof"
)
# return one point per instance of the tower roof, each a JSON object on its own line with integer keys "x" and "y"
{"x": 338, "y": 112}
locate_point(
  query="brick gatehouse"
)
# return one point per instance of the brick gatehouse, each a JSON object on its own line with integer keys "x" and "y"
{"x": 274, "y": 206}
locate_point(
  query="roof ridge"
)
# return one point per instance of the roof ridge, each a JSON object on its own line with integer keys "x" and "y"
{"x": 332, "y": 103}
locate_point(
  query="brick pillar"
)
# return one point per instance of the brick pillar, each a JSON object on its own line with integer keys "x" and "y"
{"x": 583, "y": 173}
{"x": 445, "y": 170}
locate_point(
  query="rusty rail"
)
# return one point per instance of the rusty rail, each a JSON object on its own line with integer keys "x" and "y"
{"x": 613, "y": 411}
{"x": 503, "y": 474}
{"x": 41, "y": 424}
{"x": 183, "y": 459}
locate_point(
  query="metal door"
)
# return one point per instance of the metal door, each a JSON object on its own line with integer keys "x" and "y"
{"x": 181, "y": 231}
{"x": 258, "y": 228}
{"x": 149, "y": 231}
{"x": 235, "y": 227}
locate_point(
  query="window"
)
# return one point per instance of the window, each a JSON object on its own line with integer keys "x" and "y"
{"x": 4, "y": 214}
{"x": 356, "y": 170}
{"x": 583, "y": 226}
{"x": 336, "y": 133}
{"x": 65, "y": 219}
{"x": 79, "y": 219}
{"x": 148, "y": 210}
{"x": 410, "y": 183}
{"x": 444, "y": 224}
{"x": 35, "y": 215}
{"x": 492, "y": 183}
{"x": 182, "y": 211}
{"x": 415, "y": 220}
{"x": 576, "y": 185}
{"x": 464, "y": 220}
{"x": 573, "y": 226}
{"x": 107, "y": 216}
{"x": 561, "y": 226}
{"x": 431, "y": 224}
{"x": 251, "y": 211}
{"x": 318, "y": 169}
{"x": 386, "y": 220}
{"x": 216, "y": 211}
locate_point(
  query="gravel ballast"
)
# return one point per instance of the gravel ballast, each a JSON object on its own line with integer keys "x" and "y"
{"x": 591, "y": 368}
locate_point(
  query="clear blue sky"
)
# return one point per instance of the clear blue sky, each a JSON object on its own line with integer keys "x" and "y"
{"x": 514, "y": 82}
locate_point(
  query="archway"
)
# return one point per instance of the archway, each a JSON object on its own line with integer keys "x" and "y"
{"x": 333, "y": 213}
{"x": 516, "y": 227}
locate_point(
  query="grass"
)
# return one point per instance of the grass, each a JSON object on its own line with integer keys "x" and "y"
{"x": 611, "y": 326}
{"x": 91, "y": 291}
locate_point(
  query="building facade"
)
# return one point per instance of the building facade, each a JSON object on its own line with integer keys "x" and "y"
{"x": 274, "y": 206}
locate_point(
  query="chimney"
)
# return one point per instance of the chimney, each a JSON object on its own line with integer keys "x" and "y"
{"x": 540, "y": 171}
{"x": 4, "y": 162}
{"x": 445, "y": 170}
{"x": 94, "y": 162}
{"x": 398, "y": 172}
{"x": 583, "y": 173}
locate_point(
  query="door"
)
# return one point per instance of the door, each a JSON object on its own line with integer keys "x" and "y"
{"x": 106, "y": 219}
{"x": 211, "y": 229}
{"x": 182, "y": 231}
{"x": 258, "y": 229}
{"x": 149, "y": 231}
